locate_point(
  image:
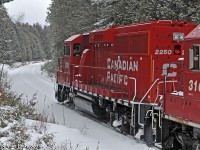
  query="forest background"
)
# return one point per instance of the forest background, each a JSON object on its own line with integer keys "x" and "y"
{"x": 22, "y": 42}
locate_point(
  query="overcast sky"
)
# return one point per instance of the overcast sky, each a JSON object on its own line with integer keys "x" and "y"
{"x": 34, "y": 10}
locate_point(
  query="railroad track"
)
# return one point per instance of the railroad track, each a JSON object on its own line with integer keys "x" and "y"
{"x": 106, "y": 124}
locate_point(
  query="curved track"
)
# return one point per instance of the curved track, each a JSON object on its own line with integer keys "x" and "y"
{"x": 29, "y": 80}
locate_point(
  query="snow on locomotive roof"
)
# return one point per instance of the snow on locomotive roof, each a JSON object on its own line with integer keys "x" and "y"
{"x": 194, "y": 34}
{"x": 72, "y": 38}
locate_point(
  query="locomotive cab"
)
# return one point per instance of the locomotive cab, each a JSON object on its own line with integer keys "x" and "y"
{"x": 71, "y": 55}
{"x": 72, "y": 52}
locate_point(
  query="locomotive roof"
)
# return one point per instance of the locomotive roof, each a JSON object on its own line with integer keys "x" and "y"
{"x": 155, "y": 23}
{"x": 148, "y": 25}
{"x": 194, "y": 34}
{"x": 72, "y": 38}
{"x": 103, "y": 35}
{"x": 107, "y": 35}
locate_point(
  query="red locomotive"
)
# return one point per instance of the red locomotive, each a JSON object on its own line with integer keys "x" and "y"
{"x": 135, "y": 75}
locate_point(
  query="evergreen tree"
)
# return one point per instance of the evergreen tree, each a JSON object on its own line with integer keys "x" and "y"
{"x": 105, "y": 13}
{"x": 4, "y": 1}
{"x": 45, "y": 36}
{"x": 22, "y": 42}
{"x": 31, "y": 44}
{"x": 5, "y": 38}
{"x": 126, "y": 12}
{"x": 131, "y": 11}
{"x": 67, "y": 18}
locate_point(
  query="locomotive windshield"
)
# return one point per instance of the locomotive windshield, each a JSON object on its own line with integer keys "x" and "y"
{"x": 67, "y": 49}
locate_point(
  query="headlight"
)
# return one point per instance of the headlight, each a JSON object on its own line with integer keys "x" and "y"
{"x": 177, "y": 36}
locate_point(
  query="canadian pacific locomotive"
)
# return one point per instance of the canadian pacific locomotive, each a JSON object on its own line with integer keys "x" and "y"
{"x": 144, "y": 78}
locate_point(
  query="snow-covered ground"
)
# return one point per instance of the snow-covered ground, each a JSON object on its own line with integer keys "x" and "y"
{"x": 74, "y": 126}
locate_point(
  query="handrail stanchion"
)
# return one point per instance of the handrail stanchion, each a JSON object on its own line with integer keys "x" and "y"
{"x": 132, "y": 109}
{"x": 143, "y": 99}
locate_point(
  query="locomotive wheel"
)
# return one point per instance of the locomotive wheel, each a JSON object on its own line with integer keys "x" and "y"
{"x": 125, "y": 127}
{"x": 158, "y": 132}
{"x": 148, "y": 132}
{"x": 99, "y": 112}
{"x": 63, "y": 96}
{"x": 71, "y": 103}
{"x": 167, "y": 140}
{"x": 112, "y": 118}
{"x": 59, "y": 97}
{"x": 59, "y": 94}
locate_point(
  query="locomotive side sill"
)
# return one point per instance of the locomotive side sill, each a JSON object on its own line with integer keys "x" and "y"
{"x": 182, "y": 121}
{"x": 105, "y": 97}
{"x": 151, "y": 104}
{"x": 84, "y": 91}
{"x": 119, "y": 101}
{"x": 125, "y": 102}
{"x": 86, "y": 96}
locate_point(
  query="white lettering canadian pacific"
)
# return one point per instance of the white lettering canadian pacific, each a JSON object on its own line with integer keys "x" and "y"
{"x": 120, "y": 65}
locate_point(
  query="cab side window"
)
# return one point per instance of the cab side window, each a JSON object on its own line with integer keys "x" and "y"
{"x": 67, "y": 49}
{"x": 77, "y": 49}
{"x": 195, "y": 57}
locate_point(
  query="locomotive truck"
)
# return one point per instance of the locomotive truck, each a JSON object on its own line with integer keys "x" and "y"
{"x": 136, "y": 77}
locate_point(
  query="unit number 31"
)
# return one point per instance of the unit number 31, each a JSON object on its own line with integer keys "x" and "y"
{"x": 194, "y": 86}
